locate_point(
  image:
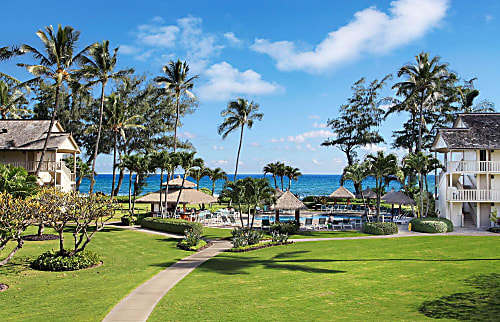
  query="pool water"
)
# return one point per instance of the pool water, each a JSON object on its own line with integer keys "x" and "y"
{"x": 288, "y": 217}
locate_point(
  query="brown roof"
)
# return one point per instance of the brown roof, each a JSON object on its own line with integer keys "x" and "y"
{"x": 177, "y": 182}
{"x": 342, "y": 192}
{"x": 288, "y": 201}
{"x": 278, "y": 192}
{"x": 397, "y": 198}
{"x": 29, "y": 135}
{"x": 188, "y": 196}
{"x": 481, "y": 131}
{"x": 368, "y": 193}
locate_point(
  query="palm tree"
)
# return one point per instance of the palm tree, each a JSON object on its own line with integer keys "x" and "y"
{"x": 292, "y": 174}
{"x": 382, "y": 168}
{"x": 54, "y": 64}
{"x": 187, "y": 162}
{"x": 235, "y": 191}
{"x": 216, "y": 174}
{"x": 12, "y": 100}
{"x": 423, "y": 82}
{"x": 177, "y": 83}
{"x": 82, "y": 170}
{"x": 280, "y": 172}
{"x": 16, "y": 181}
{"x": 160, "y": 160}
{"x": 99, "y": 68}
{"x": 357, "y": 173}
{"x": 174, "y": 162}
{"x": 199, "y": 173}
{"x": 272, "y": 168}
{"x": 257, "y": 191}
{"x": 239, "y": 114}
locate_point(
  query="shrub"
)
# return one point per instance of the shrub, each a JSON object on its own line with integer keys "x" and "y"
{"x": 431, "y": 225}
{"x": 290, "y": 227}
{"x": 128, "y": 220}
{"x": 191, "y": 237}
{"x": 494, "y": 230}
{"x": 183, "y": 245}
{"x": 279, "y": 237}
{"x": 245, "y": 236}
{"x": 176, "y": 226}
{"x": 380, "y": 228}
{"x": 206, "y": 190}
{"x": 53, "y": 261}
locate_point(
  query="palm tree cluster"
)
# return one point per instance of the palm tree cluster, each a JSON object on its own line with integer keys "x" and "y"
{"x": 280, "y": 170}
{"x": 132, "y": 114}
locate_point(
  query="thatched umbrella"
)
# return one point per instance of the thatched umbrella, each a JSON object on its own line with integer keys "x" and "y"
{"x": 394, "y": 197}
{"x": 188, "y": 196}
{"x": 342, "y": 193}
{"x": 177, "y": 182}
{"x": 368, "y": 194}
{"x": 288, "y": 201}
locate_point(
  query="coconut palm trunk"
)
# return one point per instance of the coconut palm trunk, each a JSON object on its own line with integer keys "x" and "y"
{"x": 165, "y": 208}
{"x": 114, "y": 165}
{"x": 119, "y": 183}
{"x": 238, "y": 155}
{"x": 130, "y": 191}
{"x": 96, "y": 150}
{"x": 177, "y": 113}
{"x": 180, "y": 190}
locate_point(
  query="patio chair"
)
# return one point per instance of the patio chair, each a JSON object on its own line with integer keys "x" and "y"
{"x": 357, "y": 223}
{"x": 225, "y": 221}
{"x": 346, "y": 223}
{"x": 265, "y": 223}
{"x": 322, "y": 224}
{"x": 308, "y": 223}
{"x": 324, "y": 208}
{"x": 232, "y": 220}
{"x": 337, "y": 224}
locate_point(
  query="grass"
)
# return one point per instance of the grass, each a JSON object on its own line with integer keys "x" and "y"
{"x": 219, "y": 233}
{"x": 390, "y": 279}
{"x": 130, "y": 258}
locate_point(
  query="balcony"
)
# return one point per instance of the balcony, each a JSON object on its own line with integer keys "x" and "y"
{"x": 47, "y": 166}
{"x": 474, "y": 166}
{"x": 473, "y": 195}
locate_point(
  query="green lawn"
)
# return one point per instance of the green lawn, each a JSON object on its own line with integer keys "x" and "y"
{"x": 130, "y": 258}
{"x": 218, "y": 233}
{"x": 377, "y": 279}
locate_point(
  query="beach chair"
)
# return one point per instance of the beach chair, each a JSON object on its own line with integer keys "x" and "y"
{"x": 336, "y": 224}
{"x": 346, "y": 223}
{"x": 225, "y": 221}
{"x": 357, "y": 223}
{"x": 265, "y": 223}
{"x": 324, "y": 208}
{"x": 308, "y": 224}
{"x": 232, "y": 220}
{"x": 322, "y": 224}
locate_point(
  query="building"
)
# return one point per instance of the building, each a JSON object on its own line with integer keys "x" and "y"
{"x": 21, "y": 145}
{"x": 469, "y": 186}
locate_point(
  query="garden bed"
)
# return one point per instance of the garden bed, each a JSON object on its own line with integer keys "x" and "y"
{"x": 52, "y": 261}
{"x": 257, "y": 246}
{"x": 42, "y": 237}
{"x": 201, "y": 246}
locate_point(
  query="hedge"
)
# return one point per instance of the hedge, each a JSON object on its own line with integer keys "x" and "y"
{"x": 380, "y": 228}
{"x": 431, "y": 225}
{"x": 176, "y": 226}
{"x": 128, "y": 220}
{"x": 51, "y": 261}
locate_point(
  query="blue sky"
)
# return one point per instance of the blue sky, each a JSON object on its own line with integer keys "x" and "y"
{"x": 296, "y": 59}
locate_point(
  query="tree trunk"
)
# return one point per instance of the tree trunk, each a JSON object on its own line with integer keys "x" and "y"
{"x": 114, "y": 165}
{"x": 166, "y": 193}
{"x": 238, "y": 155}
{"x": 129, "y": 191}
{"x": 61, "y": 242}
{"x": 421, "y": 187}
{"x": 41, "y": 228}
{"x": 119, "y": 184}
{"x": 177, "y": 109}
{"x": 78, "y": 182}
{"x": 275, "y": 183}
{"x": 49, "y": 132}
{"x": 379, "y": 192}
{"x": 427, "y": 195}
{"x": 241, "y": 215}
{"x": 136, "y": 184}
{"x": 20, "y": 243}
{"x": 96, "y": 150}
{"x": 180, "y": 191}
{"x": 161, "y": 191}
{"x": 282, "y": 186}
{"x": 421, "y": 110}
{"x": 213, "y": 187}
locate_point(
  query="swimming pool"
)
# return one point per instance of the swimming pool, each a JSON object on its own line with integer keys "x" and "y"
{"x": 303, "y": 218}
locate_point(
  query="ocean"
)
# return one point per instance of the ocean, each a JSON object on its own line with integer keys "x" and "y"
{"x": 308, "y": 184}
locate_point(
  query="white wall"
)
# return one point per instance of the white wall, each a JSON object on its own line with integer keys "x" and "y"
{"x": 456, "y": 213}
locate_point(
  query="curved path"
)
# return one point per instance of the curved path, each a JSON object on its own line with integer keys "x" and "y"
{"x": 138, "y": 305}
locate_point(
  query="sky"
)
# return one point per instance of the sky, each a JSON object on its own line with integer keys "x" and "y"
{"x": 296, "y": 59}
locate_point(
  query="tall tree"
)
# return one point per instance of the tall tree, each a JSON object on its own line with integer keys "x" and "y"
{"x": 272, "y": 168}
{"x": 13, "y": 103}
{"x": 357, "y": 173}
{"x": 292, "y": 174}
{"x": 216, "y": 174}
{"x": 55, "y": 64}
{"x": 187, "y": 162}
{"x": 238, "y": 114}
{"x": 356, "y": 126}
{"x": 177, "y": 83}
{"x": 99, "y": 67}
{"x": 199, "y": 173}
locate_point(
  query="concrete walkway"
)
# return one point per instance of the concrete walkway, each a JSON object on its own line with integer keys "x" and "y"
{"x": 139, "y": 304}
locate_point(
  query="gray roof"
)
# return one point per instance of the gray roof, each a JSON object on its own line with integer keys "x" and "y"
{"x": 342, "y": 193}
{"x": 288, "y": 201}
{"x": 188, "y": 196}
{"x": 28, "y": 135}
{"x": 397, "y": 198}
{"x": 481, "y": 131}
{"x": 368, "y": 194}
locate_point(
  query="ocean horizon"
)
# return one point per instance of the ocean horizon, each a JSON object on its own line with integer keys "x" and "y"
{"x": 307, "y": 184}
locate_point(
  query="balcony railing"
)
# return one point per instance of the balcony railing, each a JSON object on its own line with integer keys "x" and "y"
{"x": 477, "y": 195}
{"x": 474, "y": 166}
{"x": 47, "y": 166}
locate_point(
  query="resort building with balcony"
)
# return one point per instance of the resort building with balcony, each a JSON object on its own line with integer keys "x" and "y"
{"x": 21, "y": 145}
{"x": 469, "y": 185}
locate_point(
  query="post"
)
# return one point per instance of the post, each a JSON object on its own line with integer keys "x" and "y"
{"x": 297, "y": 215}
{"x": 277, "y": 212}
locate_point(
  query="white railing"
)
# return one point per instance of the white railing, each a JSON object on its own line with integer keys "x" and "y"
{"x": 473, "y": 195}
{"x": 474, "y": 166}
{"x": 47, "y": 166}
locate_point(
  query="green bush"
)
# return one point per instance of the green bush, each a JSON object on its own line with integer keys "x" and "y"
{"x": 431, "y": 225}
{"x": 380, "y": 228}
{"x": 494, "y": 230}
{"x": 245, "y": 236}
{"x": 176, "y": 226}
{"x": 52, "y": 261}
{"x": 184, "y": 245}
{"x": 206, "y": 190}
{"x": 279, "y": 237}
{"x": 121, "y": 199}
{"x": 288, "y": 227}
{"x": 128, "y": 220}
{"x": 191, "y": 237}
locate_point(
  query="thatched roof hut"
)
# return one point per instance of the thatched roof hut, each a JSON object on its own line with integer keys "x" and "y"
{"x": 342, "y": 193}
{"x": 397, "y": 198}
{"x": 288, "y": 201}
{"x": 188, "y": 196}
{"x": 368, "y": 194}
{"x": 177, "y": 182}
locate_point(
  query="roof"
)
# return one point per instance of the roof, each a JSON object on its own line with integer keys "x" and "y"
{"x": 368, "y": 193}
{"x": 188, "y": 196}
{"x": 288, "y": 201}
{"x": 177, "y": 182}
{"x": 475, "y": 131}
{"x": 278, "y": 192}
{"x": 29, "y": 135}
{"x": 397, "y": 198}
{"x": 342, "y": 192}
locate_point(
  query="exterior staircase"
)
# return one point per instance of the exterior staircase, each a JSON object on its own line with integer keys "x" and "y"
{"x": 468, "y": 221}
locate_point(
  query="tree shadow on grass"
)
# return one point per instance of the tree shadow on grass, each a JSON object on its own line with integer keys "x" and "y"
{"x": 482, "y": 304}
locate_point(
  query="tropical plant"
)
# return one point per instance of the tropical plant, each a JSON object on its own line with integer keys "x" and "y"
{"x": 177, "y": 84}
{"x": 99, "y": 67}
{"x": 187, "y": 162}
{"x": 216, "y": 174}
{"x": 160, "y": 160}
{"x": 235, "y": 191}
{"x": 257, "y": 192}
{"x": 357, "y": 173}
{"x": 238, "y": 114}
{"x": 55, "y": 64}
{"x": 199, "y": 173}
{"x": 135, "y": 164}
{"x": 383, "y": 168}
{"x": 280, "y": 172}
{"x": 16, "y": 181}
{"x": 272, "y": 168}
{"x": 12, "y": 100}
{"x": 292, "y": 174}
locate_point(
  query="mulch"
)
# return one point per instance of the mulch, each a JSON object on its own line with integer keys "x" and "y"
{"x": 40, "y": 238}
{"x": 3, "y": 287}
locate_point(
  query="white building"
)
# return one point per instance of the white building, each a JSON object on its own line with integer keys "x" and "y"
{"x": 21, "y": 145}
{"x": 469, "y": 186}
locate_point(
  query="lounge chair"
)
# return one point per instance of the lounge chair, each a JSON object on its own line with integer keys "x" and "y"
{"x": 322, "y": 223}
{"x": 346, "y": 223}
{"x": 232, "y": 220}
{"x": 265, "y": 223}
{"x": 357, "y": 223}
{"x": 336, "y": 224}
{"x": 309, "y": 223}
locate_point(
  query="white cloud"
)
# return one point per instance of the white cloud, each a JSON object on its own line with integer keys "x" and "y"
{"x": 225, "y": 81}
{"x": 144, "y": 55}
{"x": 215, "y": 147}
{"x": 273, "y": 140}
{"x": 233, "y": 40}
{"x": 255, "y": 144}
{"x": 373, "y": 148}
{"x": 320, "y": 125}
{"x": 371, "y": 31}
{"x": 187, "y": 135}
{"x": 158, "y": 19}
{"x": 314, "y": 117}
{"x": 315, "y": 161}
{"x": 157, "y": 35}
{"x": 301, "y": 138}
{"x": 218, "y": 162}
{"x": 488, "y": 18}
{"x": 127, "y": 50}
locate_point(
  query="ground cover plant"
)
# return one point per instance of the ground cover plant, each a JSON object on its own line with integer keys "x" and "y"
{"x": 129, "y": 259}
{"x": 389, "y": 279}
